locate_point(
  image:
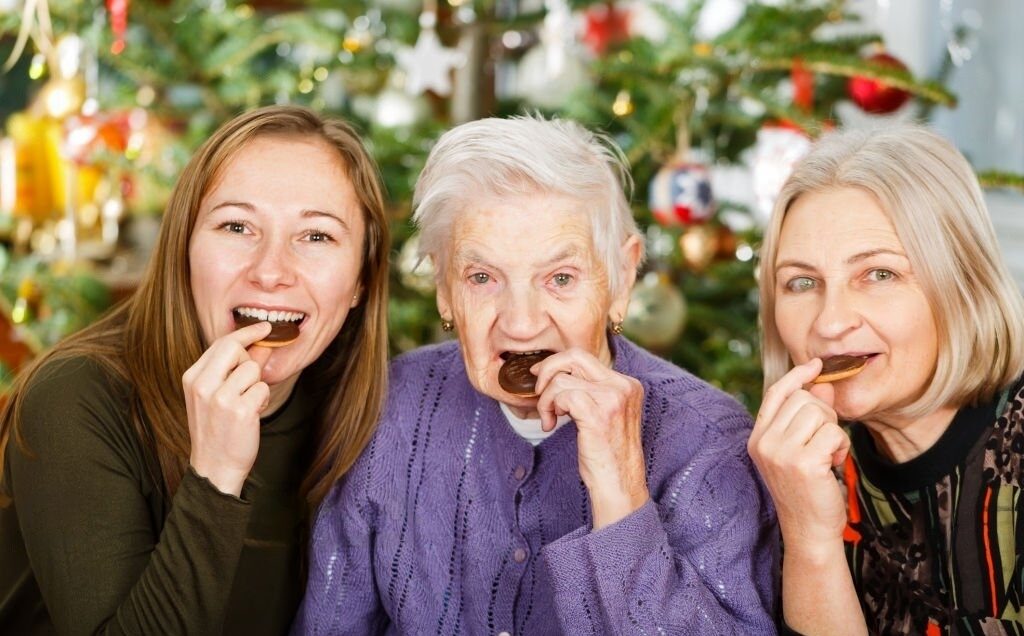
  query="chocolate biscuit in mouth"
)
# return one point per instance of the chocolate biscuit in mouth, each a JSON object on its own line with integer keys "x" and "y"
{"x": 514, "y": 375}
{"x": 284, "y": 325}
{"x": 839, "y": 368}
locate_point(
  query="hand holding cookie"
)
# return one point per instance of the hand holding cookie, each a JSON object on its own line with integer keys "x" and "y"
{"x": 795, "y": 442}
{"x": 606, "y": 407}
{"x": 223, "y": 399}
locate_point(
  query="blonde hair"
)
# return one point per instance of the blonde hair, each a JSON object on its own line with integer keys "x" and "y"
{"x": 153, "y": 337}
{"x": 931, "y": 195}
{"x": 526, "y": 155}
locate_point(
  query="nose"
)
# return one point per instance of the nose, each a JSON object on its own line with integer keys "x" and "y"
{"x": 837, "y": 314}
{"x": 272, "y": 264}
{"x": 520, "y": 312}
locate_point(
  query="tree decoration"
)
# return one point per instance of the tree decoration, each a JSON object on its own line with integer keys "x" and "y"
{"x": 699, "y": 245}
{"x": 779, "y": 146}
{"x": 605, "y": 25}
{"x": 428, "y": 65}
{"x": 876, "y": 96}
{"x": 549, "y": 73}
{"x": 680, "y": 193}
{"x": 657, "y": 312}
{"x": 118, "y": 23}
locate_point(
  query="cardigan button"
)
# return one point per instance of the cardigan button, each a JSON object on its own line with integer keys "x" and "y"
{"x": 519, "y": 473}
{"x": 504, "y": 634}
{"x": 519, "y": 555}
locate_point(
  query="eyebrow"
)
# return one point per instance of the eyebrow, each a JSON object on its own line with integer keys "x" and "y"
{"x": 307, "y": 213}
{"x": 473, "y": 256}
{"x": 856, "y": 258}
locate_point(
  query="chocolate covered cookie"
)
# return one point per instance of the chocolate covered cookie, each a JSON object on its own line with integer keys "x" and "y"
{"x": 514, "y": 375}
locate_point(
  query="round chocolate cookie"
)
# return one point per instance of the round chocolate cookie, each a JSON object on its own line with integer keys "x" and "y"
{"x": 515, "y": 377}
{"x": 840, "y": 367}
{"x": 281, "y": 332}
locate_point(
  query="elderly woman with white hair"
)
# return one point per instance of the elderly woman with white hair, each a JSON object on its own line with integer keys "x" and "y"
{"x": 881, "y": 254}
{"x": 541, "y": 474}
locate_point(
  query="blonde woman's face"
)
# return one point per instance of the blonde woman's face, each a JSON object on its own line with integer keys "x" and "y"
{"x": 280, "y": 232}
{"x": 522, "y": 276}
{"x": 844, "y": 286}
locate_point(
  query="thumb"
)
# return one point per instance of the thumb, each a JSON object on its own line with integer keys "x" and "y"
{"x": 824, "y": 392}
{"x": 259, "y": 354}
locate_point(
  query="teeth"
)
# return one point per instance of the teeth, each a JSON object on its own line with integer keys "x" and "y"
{"x": 270, "y": 316}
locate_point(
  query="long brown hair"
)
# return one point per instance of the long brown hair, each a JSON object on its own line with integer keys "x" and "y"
{"x": 153, "y": 337}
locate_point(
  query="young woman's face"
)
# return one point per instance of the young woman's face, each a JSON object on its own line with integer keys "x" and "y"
{"x": 280, "y": 232}
{"x": 844, "y": 285}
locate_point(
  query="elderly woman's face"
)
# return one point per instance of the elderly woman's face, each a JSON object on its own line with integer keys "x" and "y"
{"x": 844, "y": 285}
{"x": 521, "y": 276}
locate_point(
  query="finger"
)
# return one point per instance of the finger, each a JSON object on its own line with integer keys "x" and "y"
{"x": 241, "y": 378}
{"x": 229, "y": 351}
{"x": 778, "y": 393}
{"x": 250, "y": 334}
{"x": 797, "y": 402}
{"x": 256, "y": 397}
{"x": 260, "y": 355}
{"x": 803, "y": 425}
{"x": 546, "y": 400}
{"x": 824, "y": 391}
{"x": 575, "y": 362}
{"x": 577, "y": 403}
{"x": 831, "y": 441}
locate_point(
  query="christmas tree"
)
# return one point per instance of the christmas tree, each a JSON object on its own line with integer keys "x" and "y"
{"x": 708, "y": 100}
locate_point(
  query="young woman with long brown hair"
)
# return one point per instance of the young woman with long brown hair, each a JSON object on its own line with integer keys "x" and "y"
{"x": 159, "y": 467}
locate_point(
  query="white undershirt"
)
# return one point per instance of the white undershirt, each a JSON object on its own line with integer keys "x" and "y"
{"x": 530, "y": 430}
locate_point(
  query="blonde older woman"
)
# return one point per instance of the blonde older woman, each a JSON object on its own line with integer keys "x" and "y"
{"x": 617, "y": 497}
{"x": 881, "y": 248}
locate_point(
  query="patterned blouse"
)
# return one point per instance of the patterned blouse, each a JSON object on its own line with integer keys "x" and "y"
{"x": 935, "y": 543}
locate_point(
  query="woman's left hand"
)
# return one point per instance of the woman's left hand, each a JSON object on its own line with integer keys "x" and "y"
{"x": 606, "y": 407}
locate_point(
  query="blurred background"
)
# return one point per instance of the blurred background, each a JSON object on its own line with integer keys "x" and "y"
{"x": 102, "y": 102}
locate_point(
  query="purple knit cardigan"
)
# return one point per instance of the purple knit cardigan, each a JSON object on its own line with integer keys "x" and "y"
{"x": 450, "y": 523}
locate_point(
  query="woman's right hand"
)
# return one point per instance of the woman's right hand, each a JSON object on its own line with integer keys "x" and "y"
{"x": 795, "y": 442}
{"x": 223, "y": 399}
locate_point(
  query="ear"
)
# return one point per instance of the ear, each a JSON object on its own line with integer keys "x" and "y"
{"x": 631, "y": 251}
{"x": 443, "y": 295}
{"x": 357, "y": 297}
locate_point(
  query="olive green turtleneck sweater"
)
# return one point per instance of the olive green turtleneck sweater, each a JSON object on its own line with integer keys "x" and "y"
{"x": 92, "y": 544}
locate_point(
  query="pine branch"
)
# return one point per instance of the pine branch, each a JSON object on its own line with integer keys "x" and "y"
{"x": 999, "y": 179}
{"x": 856, "y": 67}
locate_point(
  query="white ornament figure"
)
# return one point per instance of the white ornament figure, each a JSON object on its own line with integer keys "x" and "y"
{"x": 778, "y": 148}
{"x": 428, "y": 65}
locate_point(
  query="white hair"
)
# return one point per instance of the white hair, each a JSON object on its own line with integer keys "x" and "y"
{"x": 932, "y": 197}
{"x": 526, "y": 155}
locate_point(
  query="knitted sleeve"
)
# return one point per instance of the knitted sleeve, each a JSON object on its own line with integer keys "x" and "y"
{"x": 341, "y": 594}
{"x": 697, "y": 559}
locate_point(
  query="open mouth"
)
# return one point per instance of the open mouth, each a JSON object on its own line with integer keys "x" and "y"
{"x": 284, "y": 325}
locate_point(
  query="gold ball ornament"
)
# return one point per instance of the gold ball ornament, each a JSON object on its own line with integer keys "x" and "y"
{"x": 699, "y": 245}
{"x": 62, "y": 97}
{"x": 657, "y": 312}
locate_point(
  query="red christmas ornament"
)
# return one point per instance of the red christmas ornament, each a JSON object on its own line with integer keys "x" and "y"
{"x": 605, "y": 26}
{"x": 878, "y": 97}
{"x": 118, "y": 23}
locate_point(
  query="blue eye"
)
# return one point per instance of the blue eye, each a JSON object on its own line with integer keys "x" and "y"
{"x": 800, "y": 284}
{"x": 480, "y": 278}
{"x": 561, "y": 280}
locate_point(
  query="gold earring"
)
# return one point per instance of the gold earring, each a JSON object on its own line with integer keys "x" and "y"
{"x": 617, "y": 327}
{"x": 447, "y": 325}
